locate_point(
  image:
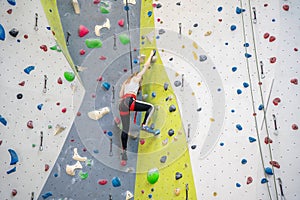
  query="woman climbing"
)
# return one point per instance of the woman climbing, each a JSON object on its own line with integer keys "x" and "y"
{"x": 128, "y": 93}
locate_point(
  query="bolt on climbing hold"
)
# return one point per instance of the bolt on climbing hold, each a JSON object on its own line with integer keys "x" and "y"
{"x": 41, "y": 141}
{"x": 182, "y": 82}
{"x": 115, "y": 42}
{"x": 280, "y": 186}
{"x": 36, "y": 22}
{"x": 113, "y": 94}
{"x": 262, "y": 75}
{"x": 116, "y": 182}
{"x": 275, "y": 124}
{"x": 110, "y": 147}
{"x": 180, "y": 26}
{"x": 189, "y": 131}
{"x": 45, "y": 83}
{"x": 254, "y": 15}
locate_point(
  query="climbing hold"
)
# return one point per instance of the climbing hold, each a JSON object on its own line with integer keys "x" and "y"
{"x": 239, "y": 127}
{"x": 93, "y": 43}
{"x": 102, "y": 58}
{"x": 14, "y": 192}
{"x": 47, "y": 167}
{"x": 70, "y": 169}
{"x": 105, "y": 86}
{"x": 244, "y": 161}
{"x": 234, "y": 69}
{"x": 161, "y": 31}
{"x": 294, "y": 127}
{"x": 247, "y": 55}
{"x": 276, "y": 101}
{"x": 178, "y": 175}
{"x": 261, "y": 107}
{"x": 172, "y": 108}
{"x": 103, "y": 10}
{"x": 149, "y": 13}
{"x": 251, "y": 139}
{"x": 153, "y": 94}
{"x": 294, "y": 81}
{"x": 124, "y": 39}
{"x": 249, "y": 180}
{"x": 166, "y": 85}
{"x": 177, "y": 83}
{"x": 83, "y": 175}
{"x": 208, "y": 33}
{"x": 121, "y": 22}
{"x": 153, "y": 175}
{"x": 116, "y": 182}
{"x": 269, "y": 171}
{"x": 13, "y": 157}
{"x": 102, "y": 181}
{"x": 21, "y": 83}
{"x": 77, "y": 157}
{"x": 233, "y": 27}
{"x": 274, "y": 164}
{"x": 239, "y": 10}
{"x": 142, "y": 141}
{"x": 40, "y": 106}
{"x": 46, "y": 195}
{"x": 128, "y": 195}
{"x": 14, "y": 32}
{"x": 239, "y": 91}
{"x": 202, "y": 58}
{"x": 266, "y": 35}
{"x": 82, "y": 52}
{"x": 272, "y": 39}
{"x": 99, "y": 27}
{"x": 28, "y": 69}
{"x": 126, "y": 8}
{"x": 163, "y": 159}
{"x": 245, "y": 85}
{"x": 171, "y": 132}
{"x": 220, "y": 9}
{"x": 178, "y": 3}
{"x": 272, "y": 60}
{"x": 97, "y": 114}
{"x": 59, "y": 80}
{"x": 44, "y": 47}
{"x": 177, "y": 191}
{"x": 199, "y": 109}
{"x": 30, "y": 124}
{"x": 14, "y": 169}
{"x": 238, "y": 185}
{"x": 19, "y": 96}
{"x": 286, "y": 7}
{"x": 96, "y": 1}
{"x": 158, "y": 5}
{"x": 193, "y": 146}
{"x": 263, "y": 180}
{"x": 2, "y": 32}
{"x": 246, "y": 45}
{"x": 82, "y": 31}
{"x": 69, "y": 76}
{"x": 12, "y": 2}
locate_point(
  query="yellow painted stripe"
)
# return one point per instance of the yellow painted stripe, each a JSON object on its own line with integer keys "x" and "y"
{"x": 52, "y": 14}
{"x": 176, "y": 149}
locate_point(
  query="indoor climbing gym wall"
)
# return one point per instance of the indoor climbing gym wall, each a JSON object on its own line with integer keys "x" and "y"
{"x": 223, "y": 85}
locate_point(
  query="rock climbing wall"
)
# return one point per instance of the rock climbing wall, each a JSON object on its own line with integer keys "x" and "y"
{"x": 229, "y": 69}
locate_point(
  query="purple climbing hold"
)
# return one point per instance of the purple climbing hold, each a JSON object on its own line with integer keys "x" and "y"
{"x": 2, "y": 32}
{"x": 12, "y": 2}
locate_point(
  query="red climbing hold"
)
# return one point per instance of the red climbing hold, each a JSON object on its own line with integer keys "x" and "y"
{"x": 0, "y": 142}
{"x": 276, "y": 101}
{"x": 97, "y": 1}
{"x": 295, "y": 49}
{"x": 14, "y": 192}
{"x": 99, "y": 78}
{"x": 47, "y": 167}
{"x": 142, "y": 141}
{"x": 9, "y": 11}
{"x": 266, "y": 35}
{"x": 82, "y": 31}
{"x": 57, "y": 103}
{"x": 59, "y": 80}
{"x": 272, "y": 39}
{"x": 22, "y": 83}
{"x": 25, "y": 36}
{"x": 220, "y": 20}
{"x": 275, "y": 164}
{"x": 273, "y": 60}
{"x": 123, "y": 162}
{"x": 78, "y": 114}
{"x": 294, "y": 81}
{"x": 102, "y": 58}
{"x": 82, "y": 52}
{"x": 121, "y": 22}
{"x": 64, "y": 110}
{"x": 30, "y": 124}
{"x": 295, "y": 127}
{"x": 102, "y": 181}
{"x": 44, "y": 47}
{"x": 249, "y": 180}
{"x": 265, "y": 5}
{"x": 268, "y": 140}
{"x": 286, "y": 7}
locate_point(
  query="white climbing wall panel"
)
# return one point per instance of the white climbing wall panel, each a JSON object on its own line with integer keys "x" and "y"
{"x": 59, "y": 106}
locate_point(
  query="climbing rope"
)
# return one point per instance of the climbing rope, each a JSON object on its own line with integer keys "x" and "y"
{"x": 252, "y": 98}
{"x": 128, "y": 29}
{"x": 262, "y": 99}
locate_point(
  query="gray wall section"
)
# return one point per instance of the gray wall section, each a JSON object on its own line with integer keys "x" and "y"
{"x": 85, "y": 133}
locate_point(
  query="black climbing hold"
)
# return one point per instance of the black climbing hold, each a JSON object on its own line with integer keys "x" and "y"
{"x": 161, "y": 31}
{"x": 143, "y": 37}
{"x": 14, "y": 32}
{"x": 193, "y": 146}
{"x": 152, "y": 189}
{"x": 178, "y": 3}
{"x": 171, "y": 132}
{"x": 178, "y": 175}
{"x": 172, "y": 108}
{"x": 199, "y": 109}
{"x": 166, "y": 85}
{"x": 195, "y": 25}
{"x": 158, "y": 5}
{"x": 19, "y": 96}
{"x": 163, "y": 159}
{"x": 170, "y": 59}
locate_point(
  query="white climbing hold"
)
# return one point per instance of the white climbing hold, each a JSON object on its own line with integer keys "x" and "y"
{"x": 97, "y": 114}
{"x": 129, "y": 2}
{"x": 129, "y": 195}
{"x": 76, "y": 6}
{"x": 77, "y": 157}
{"x": 70, "y": 169}
{"x": 99, "y": 27}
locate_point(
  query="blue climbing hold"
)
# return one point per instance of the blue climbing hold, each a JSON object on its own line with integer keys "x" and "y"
{"x": 150, "y": 196}
{"x": 116, "y": 182}
{"x": 239, "y": 127}
{"x": 13, "y": 157}
{"x": 251, "y": 139}
{"x": 263, "y": 180}
{"x": 269, "y": 171}
{"x": 246, "y": 44}
{"x": 12, "y": 170}
{"x": 153, "y": 94}
{"x": 239, "y": 91}
{"x": 232, "y": 110}
{"x": 244, "y": 161}
{"x": 46, "y": 195}
{"x": 106, "y": 85}
{"x": 220, "y": 9}
{"x": 28, "y": 69}
{"x": 247, "y": 55}
{"x": 135, "y": 61}
{"x": 40, "y": 106}
{"x": 109, "y": 133}
{"x": 126, "y": 8}
{"x": 233, "y": 27}
{"x": 238, "y": 185}
{"x": 245, "y": 85}
{"x": 149, "y": 13}
{"x": 260, "y": 107}
{"x": 12, "y": 2}
{"x": 222, "y": 144}
{"x": 239, "y": 10}
{"x": 3, "y": 120}
{"x": 2, "y": 32}
{"x": 234, "y": 69}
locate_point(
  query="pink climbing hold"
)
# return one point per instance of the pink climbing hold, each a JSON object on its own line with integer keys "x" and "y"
{"x": 82, "y": 52}
{"x": 294, "y": 81}
{"x": 294, "y": 127}
{"x": 123, "y": 162}
{"x": 272, "y": 39}
{"x": 82, "y": 31}
{"x": 102, "y": 58}
{"x": 286, "y": 7}
{"x": 121, "y": 22}
{"x": 99, "y": 78}
{"x": 272, "y": 60}
{"x": 266, "y": 35}
{"x": 276, "y": 101}
{"x": 249, "y": 180}
{"x": 30, "y": 124}
{"x": 102, "y": 182}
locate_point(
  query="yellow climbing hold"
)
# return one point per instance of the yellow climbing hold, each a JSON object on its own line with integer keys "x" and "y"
{"x": 195, "y": 45}
{"x": 195, "y": 55}
{"x": 208, "y": 33}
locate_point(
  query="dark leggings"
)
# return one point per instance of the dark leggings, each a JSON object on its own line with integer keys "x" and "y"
{"x": 124, "y": 109}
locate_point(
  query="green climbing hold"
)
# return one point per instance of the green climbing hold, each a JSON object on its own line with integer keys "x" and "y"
{"x": 69, "y": 76}
{"x": 153, "y": 175}
{"x": 124, "y": 39}
{"x": 104, "y": 10}
{"x": 93, "y": 43}
{"x": 83, "y": 175}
